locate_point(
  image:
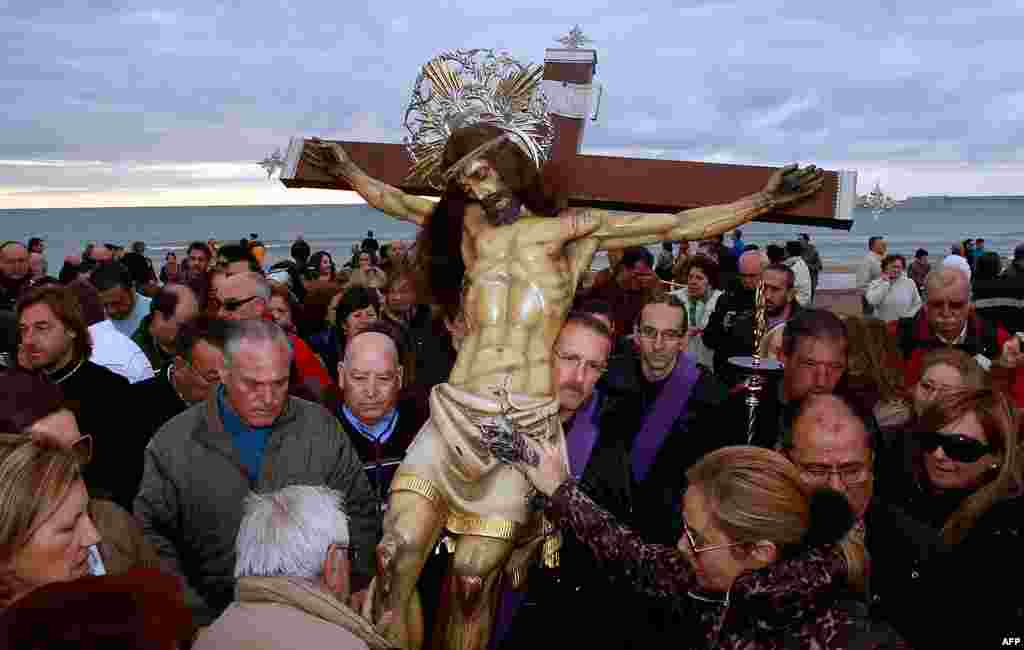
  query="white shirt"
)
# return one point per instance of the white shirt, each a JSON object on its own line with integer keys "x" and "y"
{"x": 695, "y": 345}
{"x": 115, "y": 351}
{"x": 870, "y": 269}
{"x": 130, "y": 324}
{"x": 802, "y": 280}
{"x": 893, "y": 300}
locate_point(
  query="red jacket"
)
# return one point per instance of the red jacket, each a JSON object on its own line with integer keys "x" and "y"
{"x": 914, "y": 339}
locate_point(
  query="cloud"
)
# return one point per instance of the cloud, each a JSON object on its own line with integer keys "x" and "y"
{"x": 148, "y": 87}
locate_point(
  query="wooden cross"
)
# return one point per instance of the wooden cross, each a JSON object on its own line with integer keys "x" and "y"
{"x": 613, "y": 183}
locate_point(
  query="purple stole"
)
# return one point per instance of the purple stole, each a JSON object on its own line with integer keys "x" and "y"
{"x": 669, "y": 405}
{"x": 582, "y": 437}
{"x": 579, "y": 442}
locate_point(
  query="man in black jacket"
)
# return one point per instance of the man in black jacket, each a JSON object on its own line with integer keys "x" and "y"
{"x": 599, "y": 457}
{"x": 55, "y": 341}
{"x": 728, "y": 332}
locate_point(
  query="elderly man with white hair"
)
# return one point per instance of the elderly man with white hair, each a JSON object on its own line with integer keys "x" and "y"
{"x": 293, "y": 571}
{"x": 949, "y": 320}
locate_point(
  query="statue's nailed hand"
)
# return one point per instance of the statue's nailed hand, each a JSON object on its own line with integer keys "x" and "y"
{"x": 328, "y": 156}
{"x": 791, "y": 184}
{"x": 543, "y": 465}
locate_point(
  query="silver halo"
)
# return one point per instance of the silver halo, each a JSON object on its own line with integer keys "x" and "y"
{"x": 467, "y": 87}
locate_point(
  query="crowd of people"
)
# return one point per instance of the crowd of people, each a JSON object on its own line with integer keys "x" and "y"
{"x": 199, "y": 456}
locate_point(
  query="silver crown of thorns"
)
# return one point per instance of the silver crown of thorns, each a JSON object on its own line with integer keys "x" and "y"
{"x": 463, "y": 88}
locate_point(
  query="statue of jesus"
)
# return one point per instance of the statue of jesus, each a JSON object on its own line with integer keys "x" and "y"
{"x": 500, "y": 244}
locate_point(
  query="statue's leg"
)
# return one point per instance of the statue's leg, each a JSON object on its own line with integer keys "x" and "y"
{"x": 412, "y": 525}
{"x": 473, "y": 591}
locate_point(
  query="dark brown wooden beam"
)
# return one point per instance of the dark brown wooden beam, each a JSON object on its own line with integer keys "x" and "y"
{"x": 629, "y": 184}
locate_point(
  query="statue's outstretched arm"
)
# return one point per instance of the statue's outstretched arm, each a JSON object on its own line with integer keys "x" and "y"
{"x": 334, "y": 160}
{"x": 615, "y": 231}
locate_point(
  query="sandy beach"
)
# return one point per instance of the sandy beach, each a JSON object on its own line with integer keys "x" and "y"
{"x": 837, "y": 290}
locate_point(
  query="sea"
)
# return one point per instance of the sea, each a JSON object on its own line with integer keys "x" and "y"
{"x": 932, "y": 223}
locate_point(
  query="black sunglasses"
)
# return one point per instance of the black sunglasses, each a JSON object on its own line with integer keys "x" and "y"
{"x": 232, "y": 305}
{"x": 957, "y": 446}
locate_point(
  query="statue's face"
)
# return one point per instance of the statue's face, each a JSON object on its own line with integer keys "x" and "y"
{"x": 480, "y": 180}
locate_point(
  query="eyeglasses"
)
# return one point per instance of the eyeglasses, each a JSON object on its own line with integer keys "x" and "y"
{"x": 82, "y": 449}
{"x": 958, "y": 447}
{"x": 576, "y": 361}
{"x": 850, "y": 475}
{"x": 669, "y": 336}
{"x": 696, "y": 550}
{"x": 234, "y": 305}
{"x": 211, "y": 377}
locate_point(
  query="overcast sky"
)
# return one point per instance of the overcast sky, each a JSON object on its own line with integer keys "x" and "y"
{"x": 174, "y": 104}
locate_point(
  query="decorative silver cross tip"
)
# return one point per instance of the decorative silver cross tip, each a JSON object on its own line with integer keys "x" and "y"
{"x": 575, "y": 39}
{"x": 273, "y": 162}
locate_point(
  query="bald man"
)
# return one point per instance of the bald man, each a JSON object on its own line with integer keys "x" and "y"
{"x": 948, "y": 320}
{"x": 832, "y": 448}
{"x": 378, "y": 421}
{"x": 14, "y": 273}
{"x": 730, "y": 328}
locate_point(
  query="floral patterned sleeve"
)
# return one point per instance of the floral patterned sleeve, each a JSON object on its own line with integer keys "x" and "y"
{"x": 655, "y": 570}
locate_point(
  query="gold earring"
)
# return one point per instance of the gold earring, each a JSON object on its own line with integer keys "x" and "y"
{"x": 995, "y": 465}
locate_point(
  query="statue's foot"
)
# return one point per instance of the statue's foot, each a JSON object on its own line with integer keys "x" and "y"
{"x": 469, "y": 589}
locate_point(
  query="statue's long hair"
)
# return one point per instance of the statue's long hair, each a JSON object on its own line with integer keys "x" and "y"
{"x": 439, "y": 244}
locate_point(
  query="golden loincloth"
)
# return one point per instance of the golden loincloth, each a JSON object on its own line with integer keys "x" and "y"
{"x": 448, "y": 463}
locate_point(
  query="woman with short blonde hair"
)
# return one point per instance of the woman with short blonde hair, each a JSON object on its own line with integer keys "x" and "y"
{"x": 757, "y": 564}
{"x": 45, "y": 527}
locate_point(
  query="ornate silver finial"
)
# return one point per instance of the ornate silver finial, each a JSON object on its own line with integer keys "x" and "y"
{"x": 273, "y": 162}
{"x": 575, "y": 39}
{"x": 467, "y": 87}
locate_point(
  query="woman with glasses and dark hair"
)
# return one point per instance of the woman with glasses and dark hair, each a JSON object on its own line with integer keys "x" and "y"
{"x": 757, "y": 566}
{"x": 966, "y": 478}
{"x": 33, "y": 408}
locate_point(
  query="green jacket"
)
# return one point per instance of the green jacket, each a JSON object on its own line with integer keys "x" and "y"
{"x": 190, "y": 499}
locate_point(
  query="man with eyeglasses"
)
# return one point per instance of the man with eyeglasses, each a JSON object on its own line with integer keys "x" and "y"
{"x": 672, "y": 420}
{"x": 598, "y": 457}
{"x": 190, "y": 378}
{"x": 832, "y": 447}
{"x": 949, "y": 320}
{"x": 246, "y": 296}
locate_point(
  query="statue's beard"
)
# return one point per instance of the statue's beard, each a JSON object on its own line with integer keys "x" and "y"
{"x": 501, "y": 208}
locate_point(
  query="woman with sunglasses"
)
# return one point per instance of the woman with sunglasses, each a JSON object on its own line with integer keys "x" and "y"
{"x": 756, "y": 566}
{"x": 33, "y": 408}
{"x": 965, "y": 479}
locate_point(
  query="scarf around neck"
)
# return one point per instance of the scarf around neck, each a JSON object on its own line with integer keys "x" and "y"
{"x": 298, "y": 593}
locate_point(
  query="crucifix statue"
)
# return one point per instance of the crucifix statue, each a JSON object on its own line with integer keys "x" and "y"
{"x": 502, "y": 248}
